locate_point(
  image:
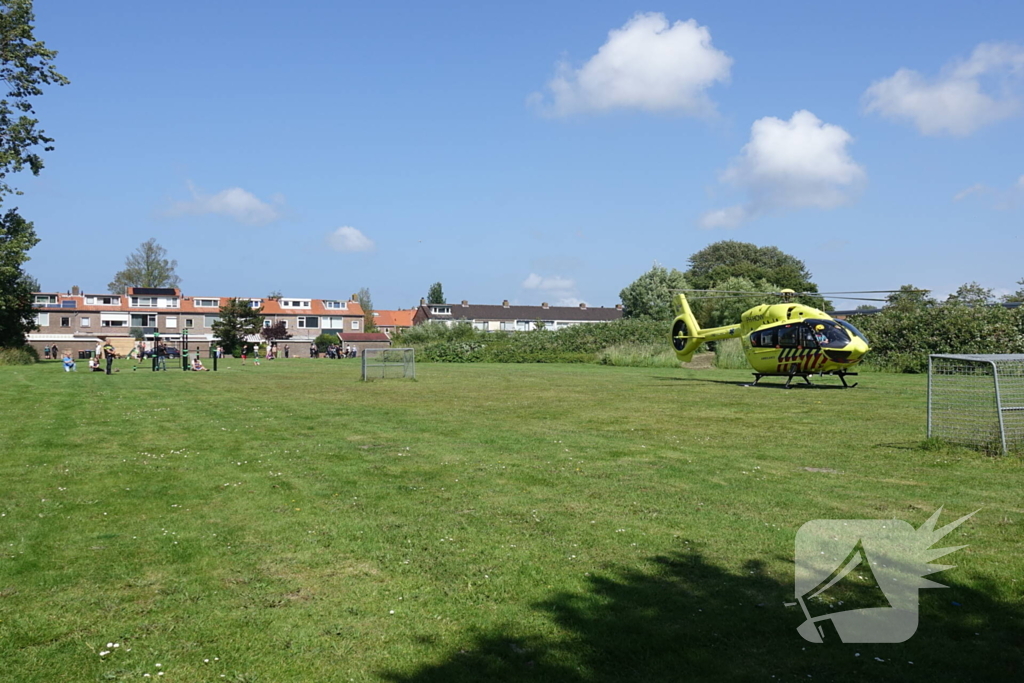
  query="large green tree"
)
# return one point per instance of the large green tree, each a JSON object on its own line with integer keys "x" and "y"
{"x": 715, "y": 263}
{"x": 650, "y": 295}
{"x": 25, "y": 67}
{"x": 435, "y": 295}
{"x": 366, "y": 303}
{"x": 146, "y": 267}
{"x": 238, "y": 320}
{"x": 16, "y": 286}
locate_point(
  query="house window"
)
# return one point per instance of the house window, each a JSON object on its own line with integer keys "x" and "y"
{"x": 209, "y": 320}
{"x": 85, "y": 321}
{"x": 171, "y": 322}
{"x": 336, "y": 305}
{"x": 207, "y": 303}
{"x": 44, "y": 299}
{"x": 480, "y": 325}
{"x": 507, "y": 326}
{"x": 255, "y": 303}
{"x": 65, "y": 322}
{"x": 42, "y": 319}
{"x": 138, "y": 320}
{"x": 190, "y": 322}
{"x": 143, "y": 301}
{"x": 295, "y": 303}
{"x": 104, "y": 300}
{"x": 355, "y": 325}
{"x": 441, "y": 310}
{"x": 114, "y": 323}
{"x": 308, "y": 321}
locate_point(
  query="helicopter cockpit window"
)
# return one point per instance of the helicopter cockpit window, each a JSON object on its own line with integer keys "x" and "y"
{"x": 852, "y": 328}
{"x": 829, "y": 333}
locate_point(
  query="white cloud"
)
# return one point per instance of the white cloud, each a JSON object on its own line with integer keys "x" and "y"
{"x": 798, "y": 163}
{"x": 646, "y": 64}
{"x": 963, "y": 194}
{"x": 967, "y": 95}
{"x": 561, "y": 290}
{"x": 349, "y": 239}
{"x": 235, "y": 203}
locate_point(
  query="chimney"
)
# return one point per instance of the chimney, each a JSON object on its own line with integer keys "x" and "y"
{"x": 75, "y": 290}
{"x": 544, "y": 305}
{"x": 504, "y": 304}
{"x": 583, "y": 306}
{"x": 355, "y": 297}
{"x": 423, "y": 302}
{"x": 465, "y": 304}
{"x": 618, "y": 307}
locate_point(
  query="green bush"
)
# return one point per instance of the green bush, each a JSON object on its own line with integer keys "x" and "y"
{"x": 460, "y": 343}
{"x": 324, "y": 340}
{"x": 903, "y": 336}
{"x": 25, "y": 355}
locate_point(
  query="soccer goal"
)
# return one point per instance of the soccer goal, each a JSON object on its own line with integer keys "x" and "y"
{"x": 389, "y": 364}
{"x": 977, "y": 400}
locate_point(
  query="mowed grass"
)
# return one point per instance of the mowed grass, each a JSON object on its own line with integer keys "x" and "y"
{"x": 484, "y": 523}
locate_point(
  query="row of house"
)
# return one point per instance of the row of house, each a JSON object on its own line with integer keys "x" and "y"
{"x": 77, "y": 322}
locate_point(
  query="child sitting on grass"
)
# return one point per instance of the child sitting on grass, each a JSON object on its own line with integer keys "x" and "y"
{"x": 69, "y": 365}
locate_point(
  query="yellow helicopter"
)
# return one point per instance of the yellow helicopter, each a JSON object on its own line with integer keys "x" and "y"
{"x": 786, "y": 339}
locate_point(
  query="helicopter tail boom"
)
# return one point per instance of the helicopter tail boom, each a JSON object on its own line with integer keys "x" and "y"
{"x": 687, "y": 336}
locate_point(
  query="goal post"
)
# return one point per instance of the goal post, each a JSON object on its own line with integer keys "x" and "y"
{"x": 388, "y": 364}
{"x": 977, "y": 400}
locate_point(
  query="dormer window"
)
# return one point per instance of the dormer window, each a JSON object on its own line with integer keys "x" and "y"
{"x": 336, "y": 305}
{"x": 208, "y": 303}
{"x": 295, "y": 303}
{"x": 103, "y": 300}
{"x": 441, "y": 310}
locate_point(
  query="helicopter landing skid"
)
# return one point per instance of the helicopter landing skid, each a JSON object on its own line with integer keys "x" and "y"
{"x": 806, "y": 377}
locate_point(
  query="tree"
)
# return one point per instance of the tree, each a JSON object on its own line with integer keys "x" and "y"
{"x": 278, "y": 330}
{"x": 1017, "y": 296}
{"x": 650, "y": 295}
{"x": 146, "y": 267}
{"x": 274, "y": 296}
{"x": 727, "y": 310}
{"x": 25, "y": 66}
{"x": 238, "y": 320}
{"x": 971, "y": 294}
{"x": 435, "y": 295}
{"x": 717, "y": 262}
{"x": 17, "y": 318}
{"x": 366, "y": 303}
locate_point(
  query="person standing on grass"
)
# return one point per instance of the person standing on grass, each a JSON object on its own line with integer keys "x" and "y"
{"x": 109, "y": 353}
{"x": 286, "y": 350}
{"x": 53, "y": 352}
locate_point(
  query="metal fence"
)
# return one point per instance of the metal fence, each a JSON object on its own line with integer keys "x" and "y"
{"x": 977, "y": 400}
{"x": 389, "y": 364}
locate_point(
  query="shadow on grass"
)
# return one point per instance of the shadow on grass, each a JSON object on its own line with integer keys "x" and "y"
{"x": 687, "y": 620}
{"x": 766, "y": 383}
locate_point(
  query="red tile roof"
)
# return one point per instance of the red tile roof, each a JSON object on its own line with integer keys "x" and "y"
{"x": 394, "y": 318}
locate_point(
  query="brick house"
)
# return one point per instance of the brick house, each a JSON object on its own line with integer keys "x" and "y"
{"x": 508, "y": 318}
{"x": 78, "y": 322}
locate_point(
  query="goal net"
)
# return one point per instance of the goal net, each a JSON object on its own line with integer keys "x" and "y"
{"x": 389, "y": 364}
{"x": 977, "y": 400}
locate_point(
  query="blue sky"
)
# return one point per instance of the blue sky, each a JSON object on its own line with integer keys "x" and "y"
{"x": 520, "y": 151}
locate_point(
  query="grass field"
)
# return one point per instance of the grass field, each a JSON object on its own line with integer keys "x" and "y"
{"x": 484, "y": 523}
